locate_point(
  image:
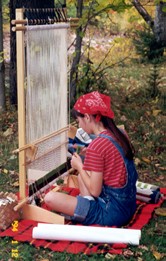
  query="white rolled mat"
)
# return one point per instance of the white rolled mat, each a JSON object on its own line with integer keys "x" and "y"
{"x": 86, "y": 234}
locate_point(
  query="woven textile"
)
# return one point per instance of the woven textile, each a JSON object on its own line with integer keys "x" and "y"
{"x": 24, "y": 234}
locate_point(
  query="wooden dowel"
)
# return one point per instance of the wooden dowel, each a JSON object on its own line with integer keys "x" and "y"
{"x": 24, "y": 28}
{"x": 76, "y": 19}
{"x": 21, "y": 204}
{"x": 16, "y": 22}
{"x": 46, "y": 153}
{"x": 19, "y": 28}
{"x": 54, "y": 148}
{"x": 25, "y": 200}
{"x": 74, "y": 25}
{"x": 42, "y": 139}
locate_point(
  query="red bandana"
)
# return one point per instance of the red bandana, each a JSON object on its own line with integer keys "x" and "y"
{"x": 95, "y": 103}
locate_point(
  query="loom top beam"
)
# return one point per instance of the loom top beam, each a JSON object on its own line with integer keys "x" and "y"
{"x": 41, "y": 16}
{"x": 46, "y": 16}
{"x": 21, "y": 24}
{"x": 25, "y": 21}
{"x": 24, "y": 28}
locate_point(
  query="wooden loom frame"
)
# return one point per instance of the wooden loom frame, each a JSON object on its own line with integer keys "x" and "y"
{"x": 30, "y": 212}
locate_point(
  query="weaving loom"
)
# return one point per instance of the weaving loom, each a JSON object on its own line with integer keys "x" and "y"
{"x": 41, "y": 40}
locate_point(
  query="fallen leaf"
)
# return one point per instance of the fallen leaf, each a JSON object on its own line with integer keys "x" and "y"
{"x": 8, "y": 132}
{"x": 109, "y": 256}
{"x": 146, "y": 160}
{"x": 153, "y": 248}
{"x": 137, "y": 161}
{"x": 156, "y": 112}
{"x": 148, "y": 113}
{"x": 13, "y": 157}
{"x": 139, "y": 259}
{"x": 160, "y": 228}
{"x": 143, "y": 247}
{"x": 15, "y": 184}
{"x": 155, "y": 100}
{"x": 162, "y": 168}
{"x": 123, "y": 118}
{"x": 157, "y": 255}
{"x": 162, "y": 177}
{"x": 5, "y": 171}
{"x": 128, "y": 253}
{"x": 138, "y": 254}
{"x": 160, "y": 212}
{"x": 11, "y": 172}
{"x": 152, "y": 124}
{"x": 157, "y": 165}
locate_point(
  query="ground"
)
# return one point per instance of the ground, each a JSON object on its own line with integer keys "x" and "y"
{"x": 143, "y": 117}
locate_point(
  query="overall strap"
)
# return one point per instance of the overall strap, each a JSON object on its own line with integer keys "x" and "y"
{"x": 119, "y": 148}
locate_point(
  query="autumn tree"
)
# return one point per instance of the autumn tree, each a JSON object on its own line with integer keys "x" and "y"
{"x": 76, "y": 60}
{"x": 87, "y": 11}
{"x": 156, "y": 24}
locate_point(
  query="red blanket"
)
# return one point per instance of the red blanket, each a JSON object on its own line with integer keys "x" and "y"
{"x": 25, "y": 227}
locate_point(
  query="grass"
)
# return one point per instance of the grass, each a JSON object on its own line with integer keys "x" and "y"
{"x": 143, "y": 117}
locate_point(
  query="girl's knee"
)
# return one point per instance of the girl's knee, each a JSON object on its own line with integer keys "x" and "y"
{"x": 49, "y": 198}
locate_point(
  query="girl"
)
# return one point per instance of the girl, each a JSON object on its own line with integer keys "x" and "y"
{"x": 107, "y": 178}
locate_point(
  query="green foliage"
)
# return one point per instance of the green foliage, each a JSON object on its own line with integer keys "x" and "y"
{"x": 71, "y": 9}
{"x": 154, "y": 80}
{"x": 1, "y": 57}
{"x": 146, "y": 45}
{"x": 143, "y": 120}
{"x": 91, "y": 79}
{"x": 156, "y": 83}
{"x": 111, "y": 18}
{"x": 5, "y": 11}
{"x": 158, "y": 1}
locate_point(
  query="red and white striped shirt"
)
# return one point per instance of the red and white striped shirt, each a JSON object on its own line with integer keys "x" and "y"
{"x": 103, "y": 156}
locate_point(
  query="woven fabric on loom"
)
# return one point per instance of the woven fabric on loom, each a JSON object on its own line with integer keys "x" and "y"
{"x": 46, "y": 98}
{"x": 24, "y": 234}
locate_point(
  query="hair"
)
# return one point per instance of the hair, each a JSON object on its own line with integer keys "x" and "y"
{"x": 109, "y": 124}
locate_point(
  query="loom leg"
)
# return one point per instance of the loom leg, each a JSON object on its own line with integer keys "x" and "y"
{"x": 36, "y": 213}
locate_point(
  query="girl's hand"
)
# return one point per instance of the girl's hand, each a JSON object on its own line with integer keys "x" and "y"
{"x": 76, "y": 162}
{"x": 81, "y": 150}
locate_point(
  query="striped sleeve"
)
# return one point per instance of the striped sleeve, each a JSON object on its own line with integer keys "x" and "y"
{"x": 103, "y": 156}
{"x": 93, "y": 161}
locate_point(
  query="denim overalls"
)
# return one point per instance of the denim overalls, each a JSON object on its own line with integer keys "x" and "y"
{"x": 114, "y": 206}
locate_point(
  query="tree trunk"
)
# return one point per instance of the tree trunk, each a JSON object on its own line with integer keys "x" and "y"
{"x": 2, "y": 65}
{"x": 13, "y": 5}
{"x": 160, "y": 24}
{"x": 142, "y": 11}
{"x": 76, "y": 60}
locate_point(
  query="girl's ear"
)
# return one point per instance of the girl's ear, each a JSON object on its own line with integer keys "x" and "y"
{"x": 87, "y": 116}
